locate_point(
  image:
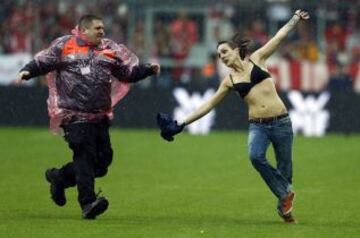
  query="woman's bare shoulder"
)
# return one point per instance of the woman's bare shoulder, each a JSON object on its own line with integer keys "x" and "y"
{"x": 258, "y": 60}
{"x": 226, "y": 81}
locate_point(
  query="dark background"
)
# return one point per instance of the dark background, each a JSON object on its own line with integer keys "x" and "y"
{"x": 26, "y": 106}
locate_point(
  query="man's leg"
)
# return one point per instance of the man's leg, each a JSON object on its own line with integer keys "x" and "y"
{"x": 101, "y": 164}
{"x": 102, "y": 161}
{"x": 104, "y": 149}
{"x": 81, "y": 139}
{"x": 57, "y": 187}
{"x": 59, "y": 180}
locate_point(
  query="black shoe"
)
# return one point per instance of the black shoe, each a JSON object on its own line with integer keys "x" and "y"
{"x": 92, "y": 210}
{"x": 57, "y": 191}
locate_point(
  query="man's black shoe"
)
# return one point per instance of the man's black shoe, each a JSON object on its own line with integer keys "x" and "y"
{"x": 92, "y": 210}
{"x": 57, "y": 191}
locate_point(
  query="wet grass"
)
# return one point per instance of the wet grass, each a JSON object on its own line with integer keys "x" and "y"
{"x": 197, "y": 186}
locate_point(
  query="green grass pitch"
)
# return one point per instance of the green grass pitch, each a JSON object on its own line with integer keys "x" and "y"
{"x": 196, "y": 186}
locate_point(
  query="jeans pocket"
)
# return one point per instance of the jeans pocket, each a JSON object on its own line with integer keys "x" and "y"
{"x": 285, "y": 121}
{"x": 285, "y": 126}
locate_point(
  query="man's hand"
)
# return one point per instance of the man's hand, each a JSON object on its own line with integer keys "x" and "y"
{"x": 155, "y": 68}
{"x": 21, "y": 75}
{"x": 303, "y": 15}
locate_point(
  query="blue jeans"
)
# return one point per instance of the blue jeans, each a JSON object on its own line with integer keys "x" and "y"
{"x": 280, "y": 134}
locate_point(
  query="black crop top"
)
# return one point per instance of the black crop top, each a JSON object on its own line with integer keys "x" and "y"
{"x": 257, "y": 75}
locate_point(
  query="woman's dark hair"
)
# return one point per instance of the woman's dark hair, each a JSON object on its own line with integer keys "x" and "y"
{"x": 238, "y": 41}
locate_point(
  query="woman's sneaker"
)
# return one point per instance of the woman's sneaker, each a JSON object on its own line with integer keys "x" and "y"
{"x": 288, "y": 218}
{"x": 285, "y": 208}
{"x": 286, "y": 204}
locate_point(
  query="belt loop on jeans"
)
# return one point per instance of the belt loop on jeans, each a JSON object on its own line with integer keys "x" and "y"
{"x": 268, "y": 119}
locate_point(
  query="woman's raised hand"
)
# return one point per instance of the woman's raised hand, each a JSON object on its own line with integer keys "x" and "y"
{"x": 303, "y": 15}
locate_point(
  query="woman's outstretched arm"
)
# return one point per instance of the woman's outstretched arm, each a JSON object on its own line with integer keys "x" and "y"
{"x": 221, "y": 92}
{"x": 268, "y": 49}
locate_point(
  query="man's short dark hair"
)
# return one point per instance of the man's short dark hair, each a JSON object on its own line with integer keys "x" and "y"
{"x": 86, "y": 20}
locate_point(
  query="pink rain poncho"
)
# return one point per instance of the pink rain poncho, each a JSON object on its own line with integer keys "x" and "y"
{"x": 81, "y": 85}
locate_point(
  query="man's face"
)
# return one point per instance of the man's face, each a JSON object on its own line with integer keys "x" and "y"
{"x": 95, "y": 32}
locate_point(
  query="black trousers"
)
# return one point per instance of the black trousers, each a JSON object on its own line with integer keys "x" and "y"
{"x": 92, "y": 155}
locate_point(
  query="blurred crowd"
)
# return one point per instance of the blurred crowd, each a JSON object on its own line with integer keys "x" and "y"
{"x": 29, "y": 26}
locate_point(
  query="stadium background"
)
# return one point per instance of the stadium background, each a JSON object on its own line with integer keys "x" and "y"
{"x": 198, "y": 186}
{"x": 322, "y": 55}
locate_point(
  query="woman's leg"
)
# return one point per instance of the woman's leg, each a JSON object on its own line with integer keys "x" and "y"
{"x": 282, "y": 139}
{"x": 258, "y": 142}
